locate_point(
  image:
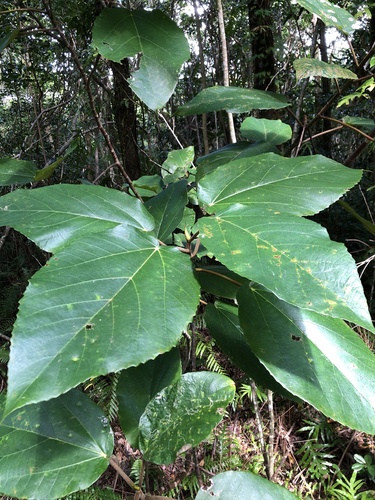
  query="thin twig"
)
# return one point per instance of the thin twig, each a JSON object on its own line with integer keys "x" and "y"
{"x": 344, "y": 124}
{"x": 258, "y": 419}
{"x": 113, "y": 462}
{"x": 4, "y": 236}
{"x": 271, "y": 439}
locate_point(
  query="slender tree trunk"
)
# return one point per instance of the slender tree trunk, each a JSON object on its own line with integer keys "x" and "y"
{"x": 262, "y": 44}
{"x": 325, "y": 140}
{"x": 125, "y": 117}
{"x": 224, "y": 53}
{"x": 203, "y": 75}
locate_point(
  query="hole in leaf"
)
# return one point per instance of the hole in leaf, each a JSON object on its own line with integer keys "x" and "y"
{"x": 296, "y": 338}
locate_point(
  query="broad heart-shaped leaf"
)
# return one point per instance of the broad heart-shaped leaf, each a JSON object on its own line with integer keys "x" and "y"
{"x": 111, "y": 300}
{"x": 51, "y": 449}
{"x": 330, "y": 14}
{"x": 183, "y": 414}
{"x": 167, "y": 208}
{"x": 239, "y": 485}
{"x": 307, "y": 67}
{"x": 237, "y": 151}
{"x": 320, "y": 359}
{"x": 120, "y": 33}
{"x": 289, "y": 255}
{"x": 263, "y": 130}
{"x": 301, "y": 186}
{"x": 223, "y": 323}
{"x": 232, "y": 99}
{"x": 16, "y": 171}
{"x": 178, "y": 164}
{"x": 139, "y": 384}
{"x": 54, "y": 216}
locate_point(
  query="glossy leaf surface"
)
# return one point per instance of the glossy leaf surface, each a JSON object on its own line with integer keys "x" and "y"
{"x": 224, "y": 325}
{"x": 263, "y": 130}
{"x": 55, "y": 216}
{"x": 308, "y": 67}
{"x": 291, "y": 256}
{"x": 178, "y": 164}
{"x": 232, "y": 99}
{"x": 111, "y": 301}
{"x": 300, "y": 186}
{"x": 183, "y": 414}
{"x": 139, "y": 384}
{"x": 54, "y": 448}
{"x": 167, "y": 208}
{"x": 237, "y": 151}
{"x": 320, "y": 359}
{"x": 330, "y": 14}
{"x": 99, "y": 294}
{"x": 238, "y": 485}
{"x": 120, "y": 33}
{"x": 16, "y": 171}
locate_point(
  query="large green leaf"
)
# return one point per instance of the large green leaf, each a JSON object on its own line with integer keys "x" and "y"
{"x": 120, "y": 33}
{"x": 291, "y": 256}
{"x": 255, "y": 231}
{"x": 55, "y": 216}
{"x": 224, "y": 325}
{"x": 263, "y": 130}
{"x": 236, "y": 151}
{"x": 320, "y": 359}
{"x": 183, "y": 414}
{"x": 14, "y": 171}
{"x": 139, "y": 384}
{"x": 330, "y": 14}
{"x": 307, "y": 67}
{"x": 167, "y": 208}
{"x": 51, "y": 449}
{"x": 300, "y": 186}
{"x": 239, "y": 485}
{"x": 178, "y": 164}
{"x": 232, "y": 99}
{"x": 113, "y": 299}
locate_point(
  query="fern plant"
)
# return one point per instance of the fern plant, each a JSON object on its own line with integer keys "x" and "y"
{"x": 102, "y": 390}
{"x": 94, "y": 493}
{"x": 346, "y": 488}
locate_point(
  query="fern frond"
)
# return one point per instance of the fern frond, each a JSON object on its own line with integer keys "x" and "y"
{"x": 93, "y": 493}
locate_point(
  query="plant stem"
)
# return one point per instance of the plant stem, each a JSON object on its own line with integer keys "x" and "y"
{"x": 271, "y": 439}
{"x": 258, "y": 419}
{"x": 126, "y": 478}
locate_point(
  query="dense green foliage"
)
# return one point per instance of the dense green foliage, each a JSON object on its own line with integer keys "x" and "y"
{"x": 126, "y": 268}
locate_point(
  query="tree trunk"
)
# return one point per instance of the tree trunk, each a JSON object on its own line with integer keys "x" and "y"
{"x": 325, "y": 140}
{"x": 262, "y": 44}
{"x": 224, "y": 55}
{"x": 125, "y": 118}
{"x": 203, "y": 72}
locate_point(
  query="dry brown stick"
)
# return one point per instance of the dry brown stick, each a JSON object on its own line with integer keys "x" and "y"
{"x": 126, "y": 478}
